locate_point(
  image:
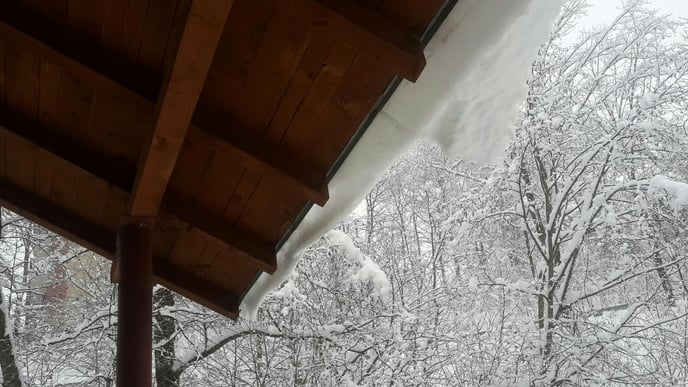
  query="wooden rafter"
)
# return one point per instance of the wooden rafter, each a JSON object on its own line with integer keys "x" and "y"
{"x": 38, "y": 35}
{"x": 102, "y": 242}
{"x": 118, "y": 173}
{"x": 365, "y": 30}
{"x": 292, "y": 170}
{"x": 121, "y": 175}
{"x": 177, "y": 103}
{"x": 255, "y": 251}
{"x": 266, "y": 159}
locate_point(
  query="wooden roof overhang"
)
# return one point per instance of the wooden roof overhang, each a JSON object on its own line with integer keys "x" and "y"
{"x": 220, "y": 118}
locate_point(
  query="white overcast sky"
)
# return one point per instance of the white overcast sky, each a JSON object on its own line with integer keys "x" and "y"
{"x": 603, "y": 11}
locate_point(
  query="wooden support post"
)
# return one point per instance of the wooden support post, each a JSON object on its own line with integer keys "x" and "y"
{"x": 135, "y": 328}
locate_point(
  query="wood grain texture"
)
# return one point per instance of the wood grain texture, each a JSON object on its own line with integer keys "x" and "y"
{"x": 132, "y": 109}
{"x": 265, "y": 158}
{"x": 312, "y": 63}
{"x": 177, "y": 102}
{"x": 283, "y": 46}
{"x": 22, "y": 80}
{"x": 244, "y": 33}
{"x": 412, "y": 15}
{"x": 250, "y": 248}
{"x": 20, "y": 159}
{"x": 85, "y": 176}
{"x": 319, "y": 97}
{"x": 2, "y": 71}
{"x": 367, "y": 31}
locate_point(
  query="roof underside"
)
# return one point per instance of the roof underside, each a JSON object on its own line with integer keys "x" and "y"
{"x": 220, "y": 118}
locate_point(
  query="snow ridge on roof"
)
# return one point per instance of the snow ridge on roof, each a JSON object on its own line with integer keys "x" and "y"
{"x": 466, "y": 100}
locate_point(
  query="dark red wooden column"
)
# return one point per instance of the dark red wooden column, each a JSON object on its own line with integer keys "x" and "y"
{"x": 134, "y": 331}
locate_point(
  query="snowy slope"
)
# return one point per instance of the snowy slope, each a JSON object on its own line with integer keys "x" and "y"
{"x": 465, "y": 100}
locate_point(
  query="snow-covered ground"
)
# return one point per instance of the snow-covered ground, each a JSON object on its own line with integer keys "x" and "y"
{"x": 466, "y": 100}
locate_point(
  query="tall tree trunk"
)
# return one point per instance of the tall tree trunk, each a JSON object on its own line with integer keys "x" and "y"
{"x": 163, "y": 332}
{"x": 664, "y": 279}
{"x": 8, "y": 363}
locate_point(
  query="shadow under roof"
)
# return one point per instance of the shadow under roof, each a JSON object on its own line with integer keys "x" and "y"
{"x": 219, "y": 118}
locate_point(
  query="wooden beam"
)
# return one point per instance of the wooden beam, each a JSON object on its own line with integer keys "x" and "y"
{"x": 117, "y": 172}
{"x": 367, "y": 31}
{"x": 177, "y": 103}
{"x": 214, "y": 298}
{"x": 259, "y": 154}
{"x": 121, "y": 175}
{"x": 262, "y": 254}
{"x": 102, "y": 242}
{"x": 34, "y": 35}
{"x": 56, "y": 219}
{"x": 269, "y": 160}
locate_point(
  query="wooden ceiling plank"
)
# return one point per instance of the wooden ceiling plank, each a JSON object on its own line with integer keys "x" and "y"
{"x": 167, "y": 231}
{"x": 85, "y": 18}
{"x": 70, "y": 65}
{"x": 43, "y": 176}
{"x": 219, "y": 182}
{"x": 189, "y": 245}
{"x": 114, "y": 172}
{"x": 206, "y": 260}
{"x": 285, "y": 41}
{"x": 106, "y": 129}
{"x": 366, "y": 30}
{"x": 268, "y": 159}
{"x": 55, "y": 218}
{"x": 3, "y": 156}
{"x": 56, "y": 29}
{"x": 102, "y": 242}
{"x": 312, "y": 63}
{"x": 64, "y": 187}
{"x": 223, "y": 265}
{"x": 161, "y": 19}
{"x": 177, "y": 102}
{"x": 236, "y": 278}
{"x": 352, "y": 104}
{"x": 262, "y": 256}
{"x": 92, "y": 197}
{"x": 22, "y": 79}
{"x": 196, "y": 159}
{"x": 197, "y": 290}
{"x": 121, "y": 175}
{"x": 75, "y": 103}
{"x": 413, "y": 15}
{"x": 320, "y": 95}
{"x": 122, "y": 30}
{"x": 242, "y": 195}
{"x": 49, "y": 98}
{"x": 21, "y": 162}
{"x": 2, "y": 71}
{"x": 244, "y": 32}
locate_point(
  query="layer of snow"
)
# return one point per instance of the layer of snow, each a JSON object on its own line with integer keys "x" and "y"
{"x": 367, "y": 271}
{"x": 466, "y": 100}
{"x": 678, "y": 190}
{"x": 371, "y": 272}
{"x": 473, "y": 283}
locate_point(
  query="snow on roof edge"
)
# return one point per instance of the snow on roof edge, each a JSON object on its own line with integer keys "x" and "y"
{"x": 466, "y": 100}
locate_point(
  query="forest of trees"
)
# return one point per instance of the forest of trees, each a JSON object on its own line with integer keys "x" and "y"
{"x": 563, "y": 265}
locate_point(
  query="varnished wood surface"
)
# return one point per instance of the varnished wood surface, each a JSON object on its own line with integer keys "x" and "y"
{"x": 287, "y": 86}
{"x": 177, "y": 101}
